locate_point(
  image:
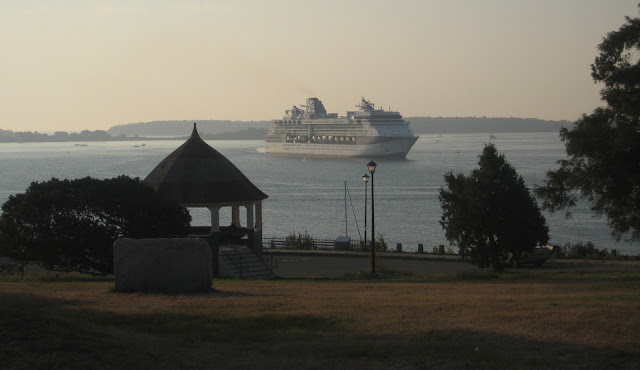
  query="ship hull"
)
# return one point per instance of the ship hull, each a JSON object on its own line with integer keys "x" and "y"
{"x": 389, "y": 148}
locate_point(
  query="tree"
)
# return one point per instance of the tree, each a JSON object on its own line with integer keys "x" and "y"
{"x": 490, "y": 214}
{"x": 71, "y": 225}
{"x": 604, "y": 147}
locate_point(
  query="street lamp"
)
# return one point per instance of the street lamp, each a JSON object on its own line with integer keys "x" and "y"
{"x": 372, "y": 168}
{"x": 365, "y": 178}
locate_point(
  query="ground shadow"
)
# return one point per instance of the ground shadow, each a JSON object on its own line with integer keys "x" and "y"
{"x": 43, "y": 332}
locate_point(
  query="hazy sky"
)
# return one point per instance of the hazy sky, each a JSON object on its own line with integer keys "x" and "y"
{"x": 71, "y": 65}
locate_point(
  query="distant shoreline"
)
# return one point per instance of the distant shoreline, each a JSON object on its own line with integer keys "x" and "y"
{"x": 243, "y": 130}
{"x": 28, "y": 137}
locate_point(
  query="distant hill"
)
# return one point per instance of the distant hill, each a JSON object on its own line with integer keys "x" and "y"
{"x": 183, "y": 128}
{"x": 251, "y": 133}
{"x": 441, "y": 125}
{"x": 256, "y": 129}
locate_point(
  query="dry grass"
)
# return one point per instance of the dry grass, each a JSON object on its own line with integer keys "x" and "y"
{"x": 559, "y": 321}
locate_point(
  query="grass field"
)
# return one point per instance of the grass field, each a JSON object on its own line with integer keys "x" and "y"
{"x": 560, "y": 320}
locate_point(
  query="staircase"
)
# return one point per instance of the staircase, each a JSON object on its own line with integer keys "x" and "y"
{"x": 240, "y": 262}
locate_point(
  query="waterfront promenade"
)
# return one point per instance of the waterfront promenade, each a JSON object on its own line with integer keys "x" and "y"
{"x": 309, "y": 264}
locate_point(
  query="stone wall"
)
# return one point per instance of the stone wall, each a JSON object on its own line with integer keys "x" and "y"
{"x": 162, "y": 265}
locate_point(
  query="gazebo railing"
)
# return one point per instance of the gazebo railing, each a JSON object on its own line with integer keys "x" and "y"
{"x": 271, "y": 258}
{"x": 239, "y": 256}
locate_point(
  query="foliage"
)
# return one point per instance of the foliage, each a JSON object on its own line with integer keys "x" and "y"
{"x": 10, "y": 267}
{"x": 381, "y": 244}
{"x": 587, "y": 251}
{"x": 604, "y": 147}
{"x": 490, "y": 214}
{"x": 300, "y": 241}
{"x": 580, "y": 250}
{"x": 70, "y": 225}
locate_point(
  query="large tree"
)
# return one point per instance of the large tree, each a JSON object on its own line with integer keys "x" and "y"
{"x": 490, "y": 215}
{"x": 70, "y": 225}
{"x": 604, "y": 146}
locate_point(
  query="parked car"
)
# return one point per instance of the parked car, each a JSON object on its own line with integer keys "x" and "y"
{"x": 538, "y": 256}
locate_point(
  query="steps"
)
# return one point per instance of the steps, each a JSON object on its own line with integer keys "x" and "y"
{"x": 240, "y": 262}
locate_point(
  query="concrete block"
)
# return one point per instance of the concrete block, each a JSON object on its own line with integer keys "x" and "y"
{"x": 164, "y": 265}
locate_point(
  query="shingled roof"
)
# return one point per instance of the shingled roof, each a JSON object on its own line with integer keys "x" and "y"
{"x": 195, "y": 174}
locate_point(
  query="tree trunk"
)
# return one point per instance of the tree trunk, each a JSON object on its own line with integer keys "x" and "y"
{"x": 493, "y": 254}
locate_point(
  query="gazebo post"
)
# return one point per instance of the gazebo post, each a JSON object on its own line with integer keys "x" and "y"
{"x": 215, "y": 218}
{"x": 250, "y": 224}
{"x": 235, "y": 215}
{"x": 258, "y": 216}
{"x": 255, "y": 238}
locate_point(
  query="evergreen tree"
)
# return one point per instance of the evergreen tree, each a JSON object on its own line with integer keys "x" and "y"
{"x": 490, "y": 215}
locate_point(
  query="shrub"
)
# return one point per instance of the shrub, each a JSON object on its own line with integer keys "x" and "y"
{"x": 381, "y": 244}
{"x": 71, "y": 225}
{"x": 581, "y": 250}
{"x": 300, "y": 241}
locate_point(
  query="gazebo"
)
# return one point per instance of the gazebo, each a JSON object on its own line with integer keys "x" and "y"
{"x": 197, "y": 176}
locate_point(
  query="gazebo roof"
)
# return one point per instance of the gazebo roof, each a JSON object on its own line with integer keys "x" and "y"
{"x": 195, "y": 174}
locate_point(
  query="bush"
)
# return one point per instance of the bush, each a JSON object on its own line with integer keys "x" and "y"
{"x": 381, "y": 244}
{"x": 581, "y": 250}
{"x": 299, "y": 241}
{"x": 71, "y": 225}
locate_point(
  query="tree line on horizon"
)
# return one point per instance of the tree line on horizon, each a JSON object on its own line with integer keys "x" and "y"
{"x": 8, "y": 136}
{"x": 255, "y": 130}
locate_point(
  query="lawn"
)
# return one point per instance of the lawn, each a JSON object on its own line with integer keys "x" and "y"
{"x": 511, "y": 320}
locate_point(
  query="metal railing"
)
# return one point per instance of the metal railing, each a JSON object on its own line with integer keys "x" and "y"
{"x": 309, "y": 244}
{"x": 271, "y": 257}
{"x": 239, "y": 267}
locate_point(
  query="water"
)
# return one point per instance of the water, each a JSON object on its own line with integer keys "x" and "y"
{"x": 307, "y": 194}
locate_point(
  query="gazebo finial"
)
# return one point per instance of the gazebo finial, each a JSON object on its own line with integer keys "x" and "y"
{"x": 195, "y": 130}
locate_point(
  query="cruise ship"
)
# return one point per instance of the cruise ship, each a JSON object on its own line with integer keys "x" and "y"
{"x": 367, "y": 132}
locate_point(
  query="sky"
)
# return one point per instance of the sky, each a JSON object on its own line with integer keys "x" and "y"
{"x": 74, "y": 65}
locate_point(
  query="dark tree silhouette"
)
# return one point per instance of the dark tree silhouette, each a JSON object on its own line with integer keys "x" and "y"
{"x": 604, "y": 147}
{"x": 70, "y": 225}
{"x": 490, "y": 215}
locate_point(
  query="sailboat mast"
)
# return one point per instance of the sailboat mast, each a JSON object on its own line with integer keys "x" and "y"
{"x": 346, "y": 228}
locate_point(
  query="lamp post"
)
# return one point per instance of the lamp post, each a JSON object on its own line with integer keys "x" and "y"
{"x": 365, "y": 178}
{"x": 372, "y": 168}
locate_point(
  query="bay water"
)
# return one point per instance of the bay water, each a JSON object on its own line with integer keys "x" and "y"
{"x": 307, "y": 195}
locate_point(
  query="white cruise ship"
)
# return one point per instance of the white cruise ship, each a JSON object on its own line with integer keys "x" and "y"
{"x": 367, "y": 132}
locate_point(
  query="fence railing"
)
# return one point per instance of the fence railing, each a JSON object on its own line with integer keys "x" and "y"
{"x": 305, "y": 242}
{"x": 309, "y": 243}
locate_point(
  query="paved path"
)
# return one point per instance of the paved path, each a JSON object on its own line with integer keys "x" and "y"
{"x": 332, "y": 265}
{"x": 335, "y": 264}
